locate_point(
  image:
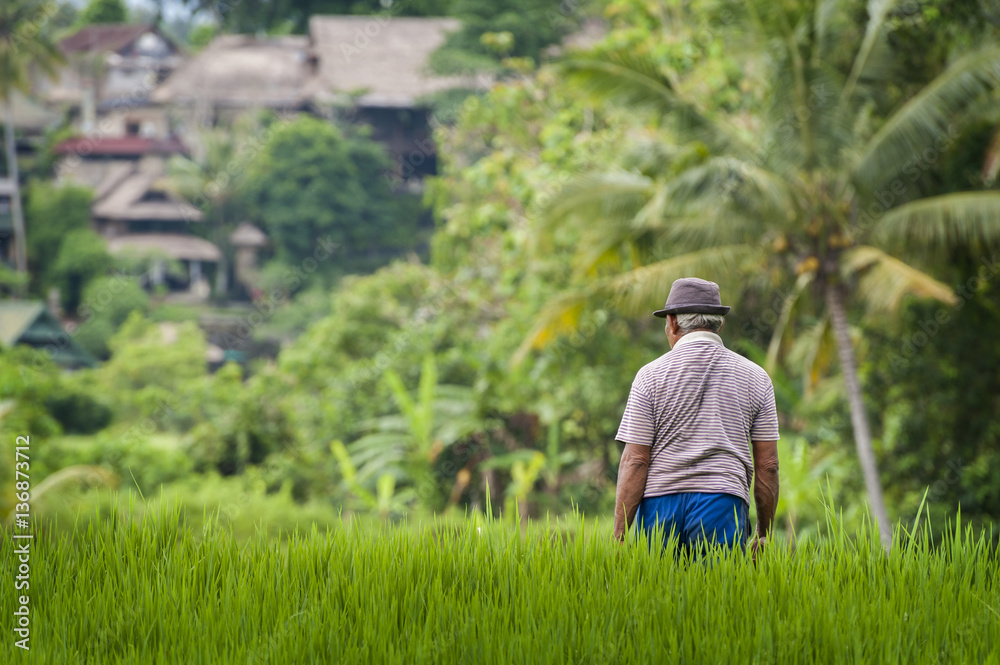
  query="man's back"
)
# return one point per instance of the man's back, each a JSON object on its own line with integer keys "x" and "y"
{"x": 699, "y": 406}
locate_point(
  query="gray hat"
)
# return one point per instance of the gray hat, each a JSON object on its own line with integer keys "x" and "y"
{"x": 690, "y": 295}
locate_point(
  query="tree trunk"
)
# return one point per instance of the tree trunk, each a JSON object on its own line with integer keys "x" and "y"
{"x": 20, "y": 246}
{"x": 859, "y": 419}
{"x": 221, "y": 269}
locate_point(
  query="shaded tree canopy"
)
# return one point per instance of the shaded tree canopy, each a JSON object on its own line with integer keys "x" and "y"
{"x": 104, "y": 11}
{"x": 319, "y": 192}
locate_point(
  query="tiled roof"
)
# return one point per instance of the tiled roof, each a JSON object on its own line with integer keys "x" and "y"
{"x": 120, "y": 146}
{"x": 102, "y": 37}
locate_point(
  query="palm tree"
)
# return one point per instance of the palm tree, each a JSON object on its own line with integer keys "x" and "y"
{"x": 24, "y": 43}
{"x": 820, "y": 200}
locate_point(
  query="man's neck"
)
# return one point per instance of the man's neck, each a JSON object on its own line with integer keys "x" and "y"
{"x": 699, "y": 335}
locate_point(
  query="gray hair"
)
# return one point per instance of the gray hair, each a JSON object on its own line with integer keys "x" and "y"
{"x": 689, "y": 322}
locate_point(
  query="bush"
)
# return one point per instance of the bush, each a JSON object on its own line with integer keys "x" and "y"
{"x": 107, "y": 303}
{"x": 77, "y": 412}
{"x": 82, "y": 257}
{"x": 149, "y": 368}
{"x": 237, "y": 425}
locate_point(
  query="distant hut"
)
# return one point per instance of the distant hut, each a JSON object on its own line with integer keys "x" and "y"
{"x": 379, "y": 67}
{"x": 110, "y": 70}
{"x": 30, "y": 323}
{"x": 235, "y": 73}
{"x": 247, "y": 239}
{"x": 136, "y": 212}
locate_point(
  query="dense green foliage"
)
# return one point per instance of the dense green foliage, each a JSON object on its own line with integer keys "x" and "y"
{"x": 154, "y": 589}
{"x": 496, "y": 29}
{"x": 52, "y": 213}
{"x": 104, "y": 11}
{"x": 323, "y": 199}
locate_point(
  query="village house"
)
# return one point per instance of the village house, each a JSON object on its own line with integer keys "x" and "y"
{"x": 135, "y": 210}
{"x": 364, "y": 69}
{"x": 30, "y": 323}
{"x": 376, "y": 67}
{"x": 109, "y": 74}
{"x": 136, "y": 101}
{"x": 233, "y": 74}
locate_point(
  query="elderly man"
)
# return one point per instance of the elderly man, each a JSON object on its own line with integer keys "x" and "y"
{"x": 692, "y": 416}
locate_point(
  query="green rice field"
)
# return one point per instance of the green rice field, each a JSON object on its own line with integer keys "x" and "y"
{"x": 150, "y": 590}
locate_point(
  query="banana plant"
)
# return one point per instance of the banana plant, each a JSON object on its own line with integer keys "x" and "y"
{"x": 407, "y": 443}
{"x": 385, "y": 500}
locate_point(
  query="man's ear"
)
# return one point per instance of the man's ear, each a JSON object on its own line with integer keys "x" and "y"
{"x": 722, "y": 324}
{"x": 672, "y": 324}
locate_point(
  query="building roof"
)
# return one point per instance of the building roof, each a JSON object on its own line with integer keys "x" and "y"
{"x": 137, "y": 195}
{"x": 15, "y": 317}
{"x": 30, "y": 322}
{"x": 103, "y": 37}
{"x": 382, "y": 57}
{"x": 120, "y": 146}
{"x": 174, "y": 245}
{"x": 247, "y": 235}
{"x": 242, "y": 71}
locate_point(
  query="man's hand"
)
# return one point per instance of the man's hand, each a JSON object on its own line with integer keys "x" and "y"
{"x": 632, "y": 474}
{"x": 757, "y": 545}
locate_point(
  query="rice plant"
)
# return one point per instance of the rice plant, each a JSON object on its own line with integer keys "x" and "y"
{"x": 125, "y": 589}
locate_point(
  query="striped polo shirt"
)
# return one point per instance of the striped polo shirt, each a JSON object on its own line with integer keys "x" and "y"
{"x": 699, "y": 406}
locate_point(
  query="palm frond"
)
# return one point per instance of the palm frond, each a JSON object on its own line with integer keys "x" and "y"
{"x": 812, "y": 354}
{"x": 634, "y": 80}
{"x": 721, "y": 201}
{"x": 787, "y": 307}
{"x": 885, "y": 280}
{"x": 870, "y": 59}
{"x": 619, "y": 192}
{"x": 635, "y": 291}
{"x": 928, "y": 119}
{"x": 965, "y": 218}
{"x": 560, "y": 316}
{"x": 827, "y": 18}
{"x": 734, "y": 184}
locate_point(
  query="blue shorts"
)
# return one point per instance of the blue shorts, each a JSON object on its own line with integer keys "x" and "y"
{"x": 697, "y": 519}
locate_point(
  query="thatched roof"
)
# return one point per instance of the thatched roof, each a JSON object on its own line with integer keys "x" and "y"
{"x": 247, "y": 235}
{"x": 174, "y": 245}
{"x": 133, "y": 195}
{"x": 384, "y": 57}
{"x": 241, "y": 71}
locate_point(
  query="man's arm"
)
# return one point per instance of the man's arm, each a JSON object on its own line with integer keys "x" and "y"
{"x": 631, "y": 484}
{"x": 765, "y": 484}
